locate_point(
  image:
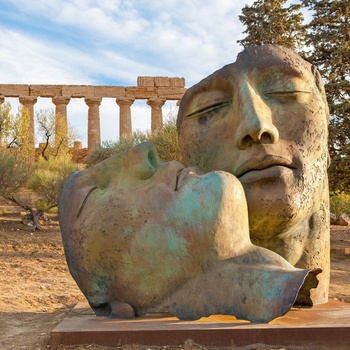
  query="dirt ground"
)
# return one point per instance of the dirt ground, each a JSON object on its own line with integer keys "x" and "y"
{"x": 37, "y": 291}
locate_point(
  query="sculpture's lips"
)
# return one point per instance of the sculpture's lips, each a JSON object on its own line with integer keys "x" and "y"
{"x": 268, "y": 166}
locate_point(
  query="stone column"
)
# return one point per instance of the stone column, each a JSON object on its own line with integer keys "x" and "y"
{"x": 2, "y": 100}
{"x": 125, "y": 126}
{"x": 28, "y": 103}
{"x": 78, "y": 145}
{"x": 156, "y": 112}
{"x": 94, "y": 133}
{"x": 61, "y": 124}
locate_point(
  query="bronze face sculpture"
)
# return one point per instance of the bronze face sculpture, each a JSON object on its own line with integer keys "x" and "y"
{"x": 264, "y": 119}
{"x": 143, "y": 236}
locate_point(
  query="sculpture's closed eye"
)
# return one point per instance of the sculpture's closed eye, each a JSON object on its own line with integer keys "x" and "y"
{"x": 285, "y": 96}
{"x": 207, "y": 112}
{"x": 207, "y": 109}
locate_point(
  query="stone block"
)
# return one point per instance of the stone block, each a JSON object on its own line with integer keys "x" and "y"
{"x": 340, "y": 251}
{"x": 171, "y": 93}
{"x": 145, "y": 81}
{"x": 341, "y": 222}
{"x": 77, "y": 91}
{"x": 14, "y": 90}
{"x": 177, "y": 82}
{"x": 333, "y": 218}
{"x": 78, "y": 145}
{"x": 140, "y": 92}
{"x": 162, "y": 81}
{"x": 345, "y": 217}
{"x": 45, "y": 90}
{"x": 110, "y": 91}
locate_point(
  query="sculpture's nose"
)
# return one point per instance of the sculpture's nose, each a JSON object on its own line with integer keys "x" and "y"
{"x": 143, "y": 160}
{"x": 255, "y": 120}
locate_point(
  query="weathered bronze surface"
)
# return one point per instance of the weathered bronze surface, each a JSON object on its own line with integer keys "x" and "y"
{"x": 264, "y": 119}
{"x": 142, "y": 236}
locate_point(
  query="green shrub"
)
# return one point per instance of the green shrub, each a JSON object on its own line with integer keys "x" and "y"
{"x": 165, "y": 139}
{"x": 42, "y": 205}
{"x": 14, "y": 172}
{"x": 108, "y": 148}
{"x": 339, "y": 203}
{"x": 49, "y": 177}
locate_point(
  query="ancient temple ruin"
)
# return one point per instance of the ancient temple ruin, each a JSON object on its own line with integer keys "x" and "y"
{"x": 156, "y": 90}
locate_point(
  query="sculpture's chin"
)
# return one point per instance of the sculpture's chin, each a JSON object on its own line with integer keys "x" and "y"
{"x": 272, "y": 211}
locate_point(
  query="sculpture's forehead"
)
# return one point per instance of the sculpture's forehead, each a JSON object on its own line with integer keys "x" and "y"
{"x": 271, "y": 57}
{"x": 261, "y": 62}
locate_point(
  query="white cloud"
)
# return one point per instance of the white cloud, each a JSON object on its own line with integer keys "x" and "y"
{"x": 167, "y": 37}
{"x": 27, "y": 60}
{"x": 111, "y": 42}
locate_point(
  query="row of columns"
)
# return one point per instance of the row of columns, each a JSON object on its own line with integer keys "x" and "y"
{"x": 94, "y": 133}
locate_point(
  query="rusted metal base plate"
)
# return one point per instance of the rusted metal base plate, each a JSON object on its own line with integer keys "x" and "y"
{"x": 325, "y": 326}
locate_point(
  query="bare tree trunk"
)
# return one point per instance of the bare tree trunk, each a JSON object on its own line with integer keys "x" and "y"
{"x": 34, "y": 213}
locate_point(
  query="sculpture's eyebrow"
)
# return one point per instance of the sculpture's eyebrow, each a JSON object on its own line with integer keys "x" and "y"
{"x": 85, "y": 199}
{"x": 283, "y": 78}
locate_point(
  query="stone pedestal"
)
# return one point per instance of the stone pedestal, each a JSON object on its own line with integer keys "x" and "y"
{"x": 322, "y": 327}
{"x": 94, "y": 129}
{"x": 125, "y": 125}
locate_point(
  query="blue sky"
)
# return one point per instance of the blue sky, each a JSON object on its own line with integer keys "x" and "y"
{"x": 112, "y": 42}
